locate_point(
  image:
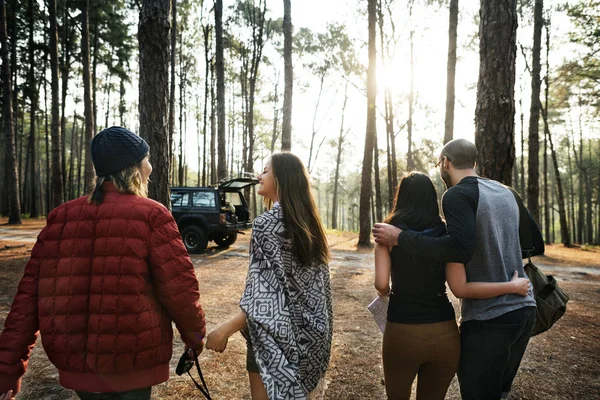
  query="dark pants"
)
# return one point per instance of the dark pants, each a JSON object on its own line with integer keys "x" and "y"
{"x": 428, "y": 351}
{"x": 491, "y": 352}
{"x": 138, "y": 394}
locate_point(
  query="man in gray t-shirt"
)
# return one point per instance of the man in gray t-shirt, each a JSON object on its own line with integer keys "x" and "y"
{"x": 482, "y": 219}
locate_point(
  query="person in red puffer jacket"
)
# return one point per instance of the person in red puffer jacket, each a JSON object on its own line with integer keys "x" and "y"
{"x": 107, "y": 277}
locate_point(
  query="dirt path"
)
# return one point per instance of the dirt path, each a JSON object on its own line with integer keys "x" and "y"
{"x": 563, "y": 363}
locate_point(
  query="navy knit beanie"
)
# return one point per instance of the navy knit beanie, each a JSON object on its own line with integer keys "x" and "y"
{"x": 115, "y": 149}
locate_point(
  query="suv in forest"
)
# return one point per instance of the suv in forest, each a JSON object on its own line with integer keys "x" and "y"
{"x": 211, "y": 213}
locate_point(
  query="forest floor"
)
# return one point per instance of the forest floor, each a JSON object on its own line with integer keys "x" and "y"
{"x": 563, "y": 363}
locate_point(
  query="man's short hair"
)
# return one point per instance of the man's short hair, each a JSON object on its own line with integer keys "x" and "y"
{"x": 461, "y": 153}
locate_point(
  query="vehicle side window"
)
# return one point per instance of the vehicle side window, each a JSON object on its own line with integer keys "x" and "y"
{"x": 233, "y": 198}
{"x": 203, "y": 199}
{"x": 180, "y": 199}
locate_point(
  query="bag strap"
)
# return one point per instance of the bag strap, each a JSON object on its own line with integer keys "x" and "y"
{"x": 203, "y": 388}
{"x": 524, "y": 227}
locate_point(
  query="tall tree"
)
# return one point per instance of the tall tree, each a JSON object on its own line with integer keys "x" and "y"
{"x": 410, "y": 160}
{"x": 12, "y": 181}
{"x": 533, "y": 164}
{"x": 288, "y": 77}
{"x": 338, "y": 160}
{"x": 451, "y": 72}
{"x": 88, "y": 175}
{"x": 57, "y": 173}
{"x": 495, "y": 110}
{"x": 32, "y": 167}
{"x": 220, "y": 67}
{"x": 172, "y": 81}
{"x": 564, "y": 227}
{"x": 364, "y": 236}
{"x": 153, "y": 33}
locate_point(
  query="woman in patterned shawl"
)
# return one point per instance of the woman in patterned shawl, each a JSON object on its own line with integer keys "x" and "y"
{"x": 286, "y": 308}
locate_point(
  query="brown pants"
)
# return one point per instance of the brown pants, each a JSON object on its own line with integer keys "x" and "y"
{"x": 430, "y": 351}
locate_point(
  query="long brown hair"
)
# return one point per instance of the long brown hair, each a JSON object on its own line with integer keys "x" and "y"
{"x": 128, "y": 181}
{"x": 300, "y": 215}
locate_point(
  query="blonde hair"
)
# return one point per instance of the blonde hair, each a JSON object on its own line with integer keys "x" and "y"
{"x": 128, "y": 180}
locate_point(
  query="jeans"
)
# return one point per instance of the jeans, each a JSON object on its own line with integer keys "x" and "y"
{"x": 137, "y": 394}
{"x": 491, "y": 352}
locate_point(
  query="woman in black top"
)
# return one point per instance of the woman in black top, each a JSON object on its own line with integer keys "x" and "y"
{"x": 421, "y": 336}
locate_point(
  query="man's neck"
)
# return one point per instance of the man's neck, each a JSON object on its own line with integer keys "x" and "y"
{"x": 460, "y": 174}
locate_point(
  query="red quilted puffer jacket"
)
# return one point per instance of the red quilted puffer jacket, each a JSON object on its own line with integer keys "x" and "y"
{"x": 102, "y": 286}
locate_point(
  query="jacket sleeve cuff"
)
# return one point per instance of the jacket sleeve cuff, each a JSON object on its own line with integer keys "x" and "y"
{"x": 10, "y": 382}
{"x": 193, "y": 339}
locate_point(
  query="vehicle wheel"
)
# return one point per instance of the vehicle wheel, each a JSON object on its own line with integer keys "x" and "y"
{"x": 226, "y": 241}
{"x": 195, "y": 239}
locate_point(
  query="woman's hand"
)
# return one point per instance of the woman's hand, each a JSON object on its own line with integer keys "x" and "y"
{"x": 6, "y": 396}
{"x": 521, "y": 285}
{"x": 217, "y": 340}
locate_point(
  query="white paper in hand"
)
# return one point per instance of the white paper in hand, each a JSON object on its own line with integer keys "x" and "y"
{"x": 379, "y": 308}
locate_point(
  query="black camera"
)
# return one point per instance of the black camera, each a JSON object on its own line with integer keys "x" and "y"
{"x": 185, "y": 364}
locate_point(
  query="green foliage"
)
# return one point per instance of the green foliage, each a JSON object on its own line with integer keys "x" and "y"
{"x": 584, "y": 72}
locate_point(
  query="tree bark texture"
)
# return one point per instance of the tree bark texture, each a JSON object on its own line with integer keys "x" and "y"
{"x": 57, "y": 191}
{"x": 220, "y": 66}
{"x": 564, "y": 227}
{"x": 495, "y": 110}
{"x": 12, "y": 181}
{"x": 33, "y": 166}
{"x": 451, "y": 72}
{"x": 172, "y": 82}
{"x": 533, "y": 164}
{"x": 338, "y": 160}
{"x": 366, "y": 187}
{"x": 153, "y": 32}
{"x": 288, "y": 77}
{"x": 88, "y": 175}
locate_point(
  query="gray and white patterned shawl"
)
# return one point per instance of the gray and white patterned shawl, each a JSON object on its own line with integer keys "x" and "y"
{"x": 288, "y": 312}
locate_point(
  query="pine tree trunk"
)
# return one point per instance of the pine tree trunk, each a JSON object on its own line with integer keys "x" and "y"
{"x": 523, "y": 192}
{"x": 172, "y": 83}
{"x": 451, "y": 72}
{"x": 74, "y": 146}
{"x": 33, "y": 98}
{"x": 213, "y": 127}
{"x": 12, "y": 181}
{"x": 534, "y": 114}
{"x": 588, "y": 197}
{"x": 314, "y": 121}
{"x": 288, "y": 77}
{"x": 57, "y": 170}
{"x": 495, "y": 110}
{"x": 88, "y": 175}
{"x": 181, "y": 174}
{"x": 410, "y": 161}
{"x": 275, "y": 115}
{"x": 206, "y": 33}
{"x": 220, "y": 66}
{"x": 95, "y": 47}
{"x": 364, "y": 236}
{"x": 153, "y": 34}
{"x": 378, "y": 201}
{"x": 546, "y": 98}
{"x": 564, "y": 228}
{"x": 580, "y": 182}
{"x": 338, "y": 160}
{"x": 65, "y": 70}
{"x": 571, "y": 199}
{"x": 122, "y": 104}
